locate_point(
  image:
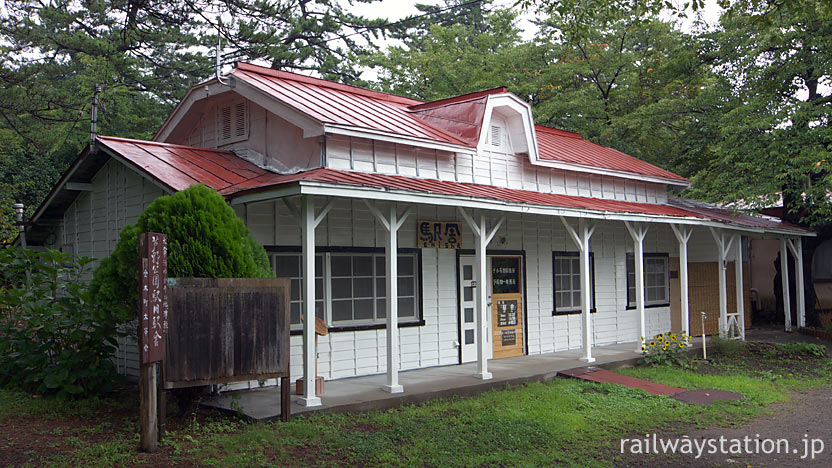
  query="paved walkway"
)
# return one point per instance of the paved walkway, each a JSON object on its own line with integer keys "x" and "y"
{"x": 595, "y": 374}
{"x": 365, "y": 393}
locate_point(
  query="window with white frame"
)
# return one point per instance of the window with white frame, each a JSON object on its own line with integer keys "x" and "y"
{"x": 351, "y": 287}
{"x": 656, "y": 280}
{"x": 566, "y": 270}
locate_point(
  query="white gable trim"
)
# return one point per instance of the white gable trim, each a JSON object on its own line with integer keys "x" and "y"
{"x": 509, "y": 100}
{"x": 310, "y": 127}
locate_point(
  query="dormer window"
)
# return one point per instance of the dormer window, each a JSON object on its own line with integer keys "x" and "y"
{"x": 232, "y": 122}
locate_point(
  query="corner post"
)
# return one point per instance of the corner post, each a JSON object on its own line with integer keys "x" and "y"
{"x": 784, "y": 277}
{"x": 739, "y": 284}
{"x": 683, "y": 234}
{"x": 307, "y": 228}
{"x": 638, "y": 232}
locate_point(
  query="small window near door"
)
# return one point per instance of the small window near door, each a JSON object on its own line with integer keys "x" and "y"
{"x": 566, "y": 269}
{"x": 656, "y": 280}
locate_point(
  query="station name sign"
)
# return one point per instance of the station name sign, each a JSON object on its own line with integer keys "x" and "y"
{"x": 439, "y": 235}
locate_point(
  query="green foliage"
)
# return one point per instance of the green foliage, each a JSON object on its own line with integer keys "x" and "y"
{"x": 205, "y": 237}
{"x": 802, "y": 347}
{"x": 666, "y": 348}
{"x": 50, "y": 342}
{"x": 726, "y": 347}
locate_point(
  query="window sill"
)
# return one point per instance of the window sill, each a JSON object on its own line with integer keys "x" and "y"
{"x": 571, "y": 312}
{"x": 650, "y": 306}
{"x": 378, "y": 326}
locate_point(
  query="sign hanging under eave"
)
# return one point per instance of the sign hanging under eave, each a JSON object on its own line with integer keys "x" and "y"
{"x": 439, "y": 235}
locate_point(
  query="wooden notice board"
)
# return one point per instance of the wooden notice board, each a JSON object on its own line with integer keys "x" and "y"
{"x": 506, "y": 306}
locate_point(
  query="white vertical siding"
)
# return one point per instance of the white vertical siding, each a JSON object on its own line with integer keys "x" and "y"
{"x": 487, "y": 167}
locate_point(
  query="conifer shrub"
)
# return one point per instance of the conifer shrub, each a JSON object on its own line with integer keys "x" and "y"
{"x": 205, "y": 237}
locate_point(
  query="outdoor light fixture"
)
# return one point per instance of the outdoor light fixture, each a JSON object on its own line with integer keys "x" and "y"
{"x": 18, "y": 209}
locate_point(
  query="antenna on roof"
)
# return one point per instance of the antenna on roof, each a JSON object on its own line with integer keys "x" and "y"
{"x": 94, "y": 115}
{"x": 219, "y": 55}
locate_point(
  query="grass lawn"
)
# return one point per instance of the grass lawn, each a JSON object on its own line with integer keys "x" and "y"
{"x": 562, "y": 422}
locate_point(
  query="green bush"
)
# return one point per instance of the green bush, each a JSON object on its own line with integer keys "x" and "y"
{"x": 206, "y": 239}
{"x": 49, "y": 340}
{"x": 802, "y": 347}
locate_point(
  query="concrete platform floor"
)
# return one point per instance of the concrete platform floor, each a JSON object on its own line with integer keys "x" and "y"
{"x": 365, "y": 393}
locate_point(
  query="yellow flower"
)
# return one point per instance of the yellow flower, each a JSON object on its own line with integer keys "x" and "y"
{"x": 652, "y": 343}
{"x": 681, "y": 345}
{"x": 643, "y": 348}
{"x": 674, "y": 339}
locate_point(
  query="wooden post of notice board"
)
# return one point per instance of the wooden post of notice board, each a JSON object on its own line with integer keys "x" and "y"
{"x": 153, "y": 325}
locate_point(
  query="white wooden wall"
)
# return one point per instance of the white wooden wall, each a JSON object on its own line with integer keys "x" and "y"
{"x": 349, "y": 224}
{"x": 92, "y": 223}
{"x": 490, "y": 168}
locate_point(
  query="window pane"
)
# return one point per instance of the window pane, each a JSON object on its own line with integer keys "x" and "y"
{"x": 576, "y": 299}
{"x": 296, "y": 290}
{"x": 319, "y": 266}
{"x": 576, "y": 282}
{"x": 341, "y": 288}
{"x": 319, "y": 310}
{"x": 319, "y": 289}
{"x": 363, "y": 309}
{"x": 341, "y": 311}
{"x": 469, "y": 336}
{"x": 341, "y": 265}
{"x": 406, "y": 265}
{"x": 381, "y": 308}
{"x": 381, "y": 287}
{"x": 295, "y": 311}
{"x": 407, "y": 307}
{"x": 467, "y": 293}
{"x": 467, "y": 272}
{"x": 287, "y": 266}
{"x": 469, "y": 315}
{"x": 406, "y": 286}
{"x": 380, "y": 262}
{"x": 362, "y": 265}
{"x": 362, "y": 287}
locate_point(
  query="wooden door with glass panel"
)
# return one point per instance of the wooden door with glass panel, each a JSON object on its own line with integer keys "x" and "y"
{"x": 506, "y": 306}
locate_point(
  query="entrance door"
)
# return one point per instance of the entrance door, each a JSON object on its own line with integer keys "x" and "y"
{"x": 467, "y": 309}
{"x": 506, "y": 306}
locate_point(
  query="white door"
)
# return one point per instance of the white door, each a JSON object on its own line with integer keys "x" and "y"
{"x": 467, "y": 308}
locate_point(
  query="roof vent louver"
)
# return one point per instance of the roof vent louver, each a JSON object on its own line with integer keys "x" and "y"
{"x": 496, "y": 135}
{"x": 232, "y": 122}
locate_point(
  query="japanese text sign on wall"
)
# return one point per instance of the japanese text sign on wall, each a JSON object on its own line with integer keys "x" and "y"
{"x": 153, "y": 296}
{"x": 440, "y": 235}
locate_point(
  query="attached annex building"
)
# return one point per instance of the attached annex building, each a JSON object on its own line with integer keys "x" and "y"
{"x": 510, "y": 238}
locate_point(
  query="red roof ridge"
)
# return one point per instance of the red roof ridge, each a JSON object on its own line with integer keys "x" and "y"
{"x": 284, "y": 75}
{"x": 460, "y": 98}
{"x": 160, "y": 143}
{"x": 557, "y": 131}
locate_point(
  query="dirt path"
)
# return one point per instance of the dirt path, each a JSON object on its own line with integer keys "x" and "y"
{"x": 807, "y": 416}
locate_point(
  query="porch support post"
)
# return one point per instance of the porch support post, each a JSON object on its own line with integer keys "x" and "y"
{"x": 723, "y": 243}
{"x": 740, "y": 289}
{"x": 307, "y": 229}
{"x": 638, "y": 232}
{"x": 483, "y": 237}
{"x": 683, "y": 234}
{"x": 392, "y": 223}
{"x": 796, "y": 247}
{"x": 581, "y": 237}
{"x": 784, "y": 277}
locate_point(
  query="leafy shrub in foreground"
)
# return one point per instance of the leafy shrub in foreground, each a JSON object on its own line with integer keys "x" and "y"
{"x": 49, "y": 340}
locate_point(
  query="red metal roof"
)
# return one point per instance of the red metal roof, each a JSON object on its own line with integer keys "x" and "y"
{"x": 456, "y": 120}
{"x": 569, "y": 147}
{"x": 339, "y": 104}
{"x": 178, "y": 167}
